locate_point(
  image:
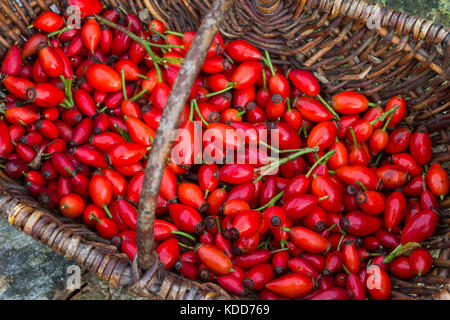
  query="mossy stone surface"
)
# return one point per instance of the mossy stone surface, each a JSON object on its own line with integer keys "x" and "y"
{"x": 433, "y": 10}
{"x": 30, "y": 270}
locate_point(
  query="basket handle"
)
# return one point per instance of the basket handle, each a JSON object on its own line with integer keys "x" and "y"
{"x": 167, "y": 126}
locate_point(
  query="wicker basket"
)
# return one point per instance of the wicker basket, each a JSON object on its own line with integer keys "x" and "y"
{"x": 334, "y": 38}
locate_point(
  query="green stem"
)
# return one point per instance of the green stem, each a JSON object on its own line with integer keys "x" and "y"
{"x": 65, "y": 106}
{"x": 219, "y": 229}
{"x": 156, "y": 60}
{"x": 185, "y": 246}
{"x": 373, "y": 254}
{"x": 265, "y": 243}
{"x": 240, "y": 114}
{"x": 158, "y": 33}
{"x": 122, "y": 76}
{"x": 173, "y": 60}
{"x": 69, "y": 103}
{"x": 383, "y": 116}
{"x": 340, "y": 241}
{"x": 387, "y": 122}
{"x": 228, "y": 58}
{"x": 70, "y": 171}
{"x": 345, "y": 269}
{"x": 105, "y": 207}
{"x": 289, "y": 150}
{"x": 271, "y": 202}
{"x": 279, "y": 250}
{"x": 270, "y": 147}
{"x": 211, "y": 94}
{"x": 191, "y": 112}
{"x": 102, "y": 109}
{"x": 194, "y": 101}
{"x": 165, "y": 45}
{"x": 93, "y": 216}
{"x": 359, "y": 183}
{"x": 268, "y": 168}
{"x": 288, "y": 103}
{"x": 400, "y": 250}
{"x": 122, "y": 133}
{"x": 332, "y": 226}
{"x": 269, "y": 62}
{"x": 333, "y": 112}
{"x": 264, "y": 80}
{"x": 181, "y": 35}
{"x": 325, "y": 158}
{"x": 72, "y": 103}
{"x": 58, "y": 32}
{"x": 354, "y": 137}
{"x": 291, "y": 157}
{"x": 378, "y": 159}
{"x": 63, "y": 80}
{"x": 137, "y": 96}
{"x": 184, "y": 234}
{"x": 316, "y": 155}
{"x": 142, "y": 76}
{"x": 123, "y": 10}
{"x": 302, "y": 129}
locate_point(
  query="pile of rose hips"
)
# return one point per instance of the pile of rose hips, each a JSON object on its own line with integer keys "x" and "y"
{"x": 330, "y": 220}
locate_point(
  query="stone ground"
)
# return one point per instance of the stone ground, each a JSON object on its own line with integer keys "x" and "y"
{"x": 30, "y": 270}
